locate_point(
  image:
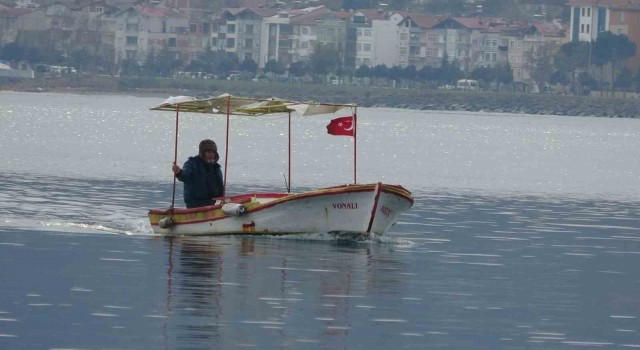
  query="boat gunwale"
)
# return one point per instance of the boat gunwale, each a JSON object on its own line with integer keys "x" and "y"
{"x": 391, "y": 189}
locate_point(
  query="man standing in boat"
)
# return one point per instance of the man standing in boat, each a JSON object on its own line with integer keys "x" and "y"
{"x": 202, "y": 176}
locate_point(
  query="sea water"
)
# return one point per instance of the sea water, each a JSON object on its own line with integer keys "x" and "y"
{"x": 524, "y": 233}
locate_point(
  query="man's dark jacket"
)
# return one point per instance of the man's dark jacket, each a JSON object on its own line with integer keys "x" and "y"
{"x": 202, "y": 181}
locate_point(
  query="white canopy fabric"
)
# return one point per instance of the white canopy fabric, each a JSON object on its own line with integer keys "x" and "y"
{"x": 246, "y": 106}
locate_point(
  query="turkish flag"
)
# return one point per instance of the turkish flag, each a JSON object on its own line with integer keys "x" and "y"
{"x": 342, "y": 126}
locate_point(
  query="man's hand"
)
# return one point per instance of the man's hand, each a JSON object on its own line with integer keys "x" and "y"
{"x": 176, "y": 169}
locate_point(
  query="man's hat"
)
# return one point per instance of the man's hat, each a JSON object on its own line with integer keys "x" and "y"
{"x": 208, "y": 145}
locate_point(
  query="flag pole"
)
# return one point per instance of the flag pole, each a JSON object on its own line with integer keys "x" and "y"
{"x": 175, "y": 158}
{"x": 355, "y": 143}
{"x": 289, "y": 180}
{"x": 226, "y": 149}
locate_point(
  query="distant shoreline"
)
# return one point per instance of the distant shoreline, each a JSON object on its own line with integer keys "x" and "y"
{"x": 418, "y": 99}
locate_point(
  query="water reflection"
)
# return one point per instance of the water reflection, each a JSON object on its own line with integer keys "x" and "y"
{"x": 241, "y": 291}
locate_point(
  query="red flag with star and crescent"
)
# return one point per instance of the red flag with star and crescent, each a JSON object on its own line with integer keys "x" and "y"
{"x": 342, "y": 126}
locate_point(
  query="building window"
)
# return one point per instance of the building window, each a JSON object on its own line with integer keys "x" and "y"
{"x": 172, "y": 42}
{"x": 583, "y": 11}
{"x": 248, "y": 29}
{"x": 231, "y": 28}
{"x": 358, "y": 62}
{"x": 359, "y": 47}
{"x": 518, "y": 72}
{"x": 131, "y": 54}
{"x": 192, "y": 28}
{"x": 305, "y": 30}
{"x": 587, "y": 28}
{"x": 132, "y": 40}
{"x": 404, "y": 36}
{"x": 490, "y": 56}
{"x": 248, "y": 56}
{"x": 367, "y": 32}
{"x": 231, "y": 43}
{"x": 432, "y": 37}
{"x": 366, "y": 61}
{"x": 588, "y": 11}
{"x": 582, "y": 28}
{"x": 206, "y": 28}
{"x": 403, "y": 51}
{"x": 621, "y": 17}
{"x": 366, "y": 47}
{"x": 248, "y": 43}
{"x": 214, "y": 42}
{"x": 359, "y": 31}
{"x": 432, "y": 52}
{"x": 132, "y": 27}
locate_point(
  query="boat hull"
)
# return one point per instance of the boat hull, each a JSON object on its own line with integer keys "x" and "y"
{"x": 349, "y": 209}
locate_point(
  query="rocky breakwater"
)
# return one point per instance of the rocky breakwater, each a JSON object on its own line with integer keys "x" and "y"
{"x": 510, "y": 103}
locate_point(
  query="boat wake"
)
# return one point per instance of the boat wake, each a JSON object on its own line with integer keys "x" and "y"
{"x": 347, "y": 239}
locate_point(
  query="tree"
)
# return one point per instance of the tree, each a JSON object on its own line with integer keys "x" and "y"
{"x": 449, "y": 72}
{"x": 149, "y": 67}
{"x": 13, "y": 52}
{"x": 504, "y": 74}
{"x": 166, "y": 63}
{"x": 539, "y": 64}
{"x": 363, "y": 71}
{"x": 275, "y": 67}
{"x": 129, "y": 67}
{"x": 485, "y": 74}
{"x": 395, "y": 73}
{"x": 249, "y": 65}
{"x": 380, "y": 71}
{"x": 367, "y": 4}
{"x": 496, "y": 7}
{"x": 358, "y": 4}
{"x": 324, "y": 60}
{"x": 452, "y": 7}
{"x": 33, "y": 55}
{"x": 614, "y": 49}
{"x": 428, "y": 73}
{"x": 410, "y": 73}
{"x": 572, "y": 58}
{"x": 198, "y": 65}
{"x": 80, "y": 58}
{"x": 624, "y": 80}
{"x": 298, "y": 69}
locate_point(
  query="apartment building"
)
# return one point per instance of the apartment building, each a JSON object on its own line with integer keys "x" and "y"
{"x": 413, "y": 40}
{"x": 591, "y": 17}
{"x": 313, "y": 26}
{"x": 386, "y": 32}
{"x": 15, "y": 20}
{"x": 145, "y": 29}
{"x": 238, "y": 30}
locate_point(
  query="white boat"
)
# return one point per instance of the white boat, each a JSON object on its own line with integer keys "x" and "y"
{"x": 352, "y": 209}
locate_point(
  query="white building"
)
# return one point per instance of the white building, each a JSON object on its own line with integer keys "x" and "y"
{"x": 238, "y": 30}
{"x": 275, "y": 39}
{"x": 144, "y": 29}
{"x": 385, "y": 33}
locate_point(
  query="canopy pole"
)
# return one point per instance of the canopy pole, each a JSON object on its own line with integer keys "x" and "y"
{"x": 175, "y": 158}
{"x": 226, "y": 149}
{"x": 355, "y": 143}
{"x": 289, "y": 180}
